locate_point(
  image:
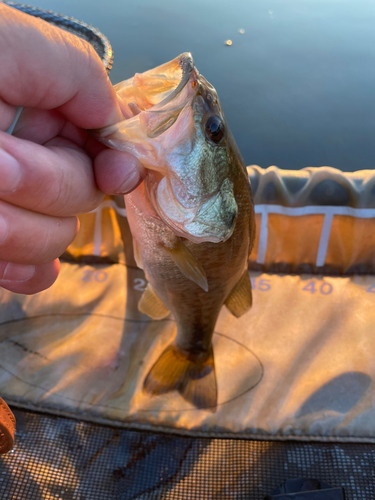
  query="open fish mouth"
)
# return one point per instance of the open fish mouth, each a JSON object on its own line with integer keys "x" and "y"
{"x": 152, "y": 102}
{"x": 186, "y": 64}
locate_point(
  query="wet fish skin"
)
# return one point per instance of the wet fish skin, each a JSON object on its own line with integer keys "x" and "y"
{"x": 192, "y": 222}
{"x": 194, "y": 310}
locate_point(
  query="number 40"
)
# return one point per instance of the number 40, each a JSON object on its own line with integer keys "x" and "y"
{"x": 312, "y": 287}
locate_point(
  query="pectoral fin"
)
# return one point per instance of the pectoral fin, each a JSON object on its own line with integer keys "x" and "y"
{"x": 188, "y": 264}
{"x": 151, "y": 305}
{"x": 240, "y": 298}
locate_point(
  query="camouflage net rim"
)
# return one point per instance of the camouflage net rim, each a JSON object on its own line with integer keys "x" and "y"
{"x": 90, "y": 33}
{"x": 89, "y": 461}
{"x": 312, "y": 186}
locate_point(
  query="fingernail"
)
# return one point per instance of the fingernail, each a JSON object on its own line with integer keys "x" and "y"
{"x": 10, "y": 172}
{"x": 3, "y": 229}
{"x": 18, "y": 272}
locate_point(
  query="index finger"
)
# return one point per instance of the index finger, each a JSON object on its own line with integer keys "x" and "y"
{"x": 45, "y": 67}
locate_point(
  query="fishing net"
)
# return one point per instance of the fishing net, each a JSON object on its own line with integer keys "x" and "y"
{"x": 295, "y": 391}
{"x": 67, "y": 459}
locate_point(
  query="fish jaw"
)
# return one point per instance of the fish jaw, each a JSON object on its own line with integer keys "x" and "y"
{"x": 152, "y": 102}
{"x": 158, "y": 86}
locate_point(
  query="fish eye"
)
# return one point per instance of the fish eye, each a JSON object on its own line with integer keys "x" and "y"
{"x": 215, "y": 129}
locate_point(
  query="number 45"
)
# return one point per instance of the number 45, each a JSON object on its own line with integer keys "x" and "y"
{"x": 263, "y": 284}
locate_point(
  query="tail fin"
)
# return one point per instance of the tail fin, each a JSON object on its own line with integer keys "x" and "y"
{"x": 192, "y": 375}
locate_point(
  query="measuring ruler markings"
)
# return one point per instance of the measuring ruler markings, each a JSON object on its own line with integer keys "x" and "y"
{"x": 264, "y": 284}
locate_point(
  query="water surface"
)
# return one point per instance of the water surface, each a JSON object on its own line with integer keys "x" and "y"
{"x": 297, "y": 87}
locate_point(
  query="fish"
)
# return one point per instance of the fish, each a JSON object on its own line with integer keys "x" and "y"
{"x": 192, "y": 218}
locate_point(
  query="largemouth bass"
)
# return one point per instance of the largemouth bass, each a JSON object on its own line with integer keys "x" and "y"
{"x": 192, "y": 218}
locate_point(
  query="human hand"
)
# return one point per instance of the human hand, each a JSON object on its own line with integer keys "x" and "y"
{"x": 51, "y": 169}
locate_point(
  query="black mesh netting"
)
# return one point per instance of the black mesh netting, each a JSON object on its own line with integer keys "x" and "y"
{"x": 61, "y": 458}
